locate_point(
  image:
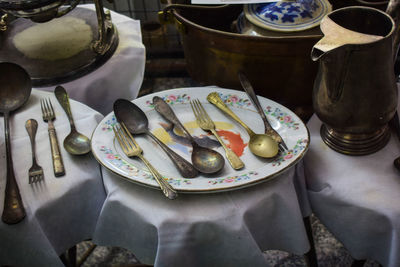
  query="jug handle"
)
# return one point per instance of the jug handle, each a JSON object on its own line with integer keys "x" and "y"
{"x": 393, "y": 9}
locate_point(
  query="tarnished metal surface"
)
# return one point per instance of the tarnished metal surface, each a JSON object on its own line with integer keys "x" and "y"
{"x": 15, "y": 91}
{"x": 278, "y": 67}
{"x": 355, "y": 92}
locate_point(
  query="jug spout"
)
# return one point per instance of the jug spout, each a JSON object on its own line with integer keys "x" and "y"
{"x": 324, "y": 46}
{"x": 336, "y": 36}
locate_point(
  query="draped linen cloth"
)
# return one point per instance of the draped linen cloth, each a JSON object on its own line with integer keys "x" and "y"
{"x": 356, "y": 197}
{"x": 230, "y": 228}
{"x": 121, "y": 76}
{"x": 60, "y": 211}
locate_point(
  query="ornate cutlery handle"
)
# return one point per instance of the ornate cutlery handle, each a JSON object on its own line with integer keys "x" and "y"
{"x": 58, "y": 165}
{"x": 167, "y": 189}
{"x": 267, "y": 126}
{"x": 185, "y": 168}
{"x": 31, "y": 127}
{"x": 233, "y": 159}
{"x": 214, "y": 98}
{"x": 166, "y": 111}
{"x": 250, "y": 92}
{"x": 14, "y": 210}
{"x": 62, "y": 97}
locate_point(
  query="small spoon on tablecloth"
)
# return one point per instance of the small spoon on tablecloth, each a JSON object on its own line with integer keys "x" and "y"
{"x": 75, "y": 143}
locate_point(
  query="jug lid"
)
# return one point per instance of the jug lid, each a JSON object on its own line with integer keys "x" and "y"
{"x": 287, "y": 16}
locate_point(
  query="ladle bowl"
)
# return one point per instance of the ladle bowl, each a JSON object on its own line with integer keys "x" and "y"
{"x": 15, "y": 89}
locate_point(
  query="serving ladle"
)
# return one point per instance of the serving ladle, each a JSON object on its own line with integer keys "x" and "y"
{"x": 15, "y": 89}
{"x": 261, "y": 145}
{"x": 75, "y": 143}
{"x": 204, "y": 159}
{"x": 136, "y": 122}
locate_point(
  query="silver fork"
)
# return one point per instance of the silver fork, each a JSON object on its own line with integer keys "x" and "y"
{"x": 132, "y": 149}
{"x": 49, "y": 116}
{"x": 36, "y": 171}
{"x": 205, "y": 122}
{"x": 248, "y": 88}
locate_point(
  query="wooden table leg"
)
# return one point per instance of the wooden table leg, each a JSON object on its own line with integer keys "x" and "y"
{"x": 311, "y": 255}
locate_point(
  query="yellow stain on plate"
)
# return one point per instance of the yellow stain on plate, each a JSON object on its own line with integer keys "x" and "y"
{"x": 191, "y": 126}
{"x": 162, "y": 134}
{"x": 223, "y": 125}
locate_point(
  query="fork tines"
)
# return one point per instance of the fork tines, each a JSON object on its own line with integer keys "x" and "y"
{"x": 47, "y": 109}
{"x": 125, "y": 139}
{"x": 35, "y": 176}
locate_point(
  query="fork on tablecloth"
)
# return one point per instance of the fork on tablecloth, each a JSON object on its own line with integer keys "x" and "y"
{"x": 49, "y": 116}
{"x": 35, "y": 172}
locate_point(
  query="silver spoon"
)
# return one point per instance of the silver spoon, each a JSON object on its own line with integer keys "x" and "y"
{"x": 75, "y": 143}
{"x": 204, "y": 159}
{"x": 137, "y": 123}
{"x": 15, "y": 89}
{"x": 248, "y": 88}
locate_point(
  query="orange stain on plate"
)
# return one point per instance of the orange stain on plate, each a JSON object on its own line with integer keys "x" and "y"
{"x": 236, "y": 143}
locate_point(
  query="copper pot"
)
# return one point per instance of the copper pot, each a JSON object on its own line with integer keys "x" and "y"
{"x": 279, "y": 67}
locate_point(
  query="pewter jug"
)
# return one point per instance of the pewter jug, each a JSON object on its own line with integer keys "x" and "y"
{"x": 355, "y": 92}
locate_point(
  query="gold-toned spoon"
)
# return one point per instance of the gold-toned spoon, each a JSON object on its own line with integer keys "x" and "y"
{"x": 261, "y": 145}
{"x": 75, "y": 143}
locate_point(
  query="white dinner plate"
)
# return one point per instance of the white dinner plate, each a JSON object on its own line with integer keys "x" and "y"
{"x": 295, "y": 134}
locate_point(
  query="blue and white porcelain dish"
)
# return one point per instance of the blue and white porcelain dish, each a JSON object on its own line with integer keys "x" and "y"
{"x": 287, "y": 16}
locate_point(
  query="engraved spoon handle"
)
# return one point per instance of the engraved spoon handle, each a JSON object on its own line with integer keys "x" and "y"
{"x": 214, "y": 98}
{"x": 166, "y": 112}
{"x": 185, "y": 168}
{"x": 250, "y": 92}
{"x": 62, "y": 97}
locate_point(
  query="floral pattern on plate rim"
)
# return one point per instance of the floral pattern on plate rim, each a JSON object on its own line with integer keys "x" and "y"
{"x": 229, "y": 99}
{"x": 116, "y": 160}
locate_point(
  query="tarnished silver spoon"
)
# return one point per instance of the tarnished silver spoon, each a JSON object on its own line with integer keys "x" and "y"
{"x": 204, "y": 159}
{"x": 137, "y": 123}
{"x": 75, "y": 143}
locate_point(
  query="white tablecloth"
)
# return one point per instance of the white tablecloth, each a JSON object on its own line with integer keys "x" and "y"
{"x": 120, "y": 77}
{"x": 221, "y": 229}
{"x": 357, "y": 197}
{"x": 62, "y": 211}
